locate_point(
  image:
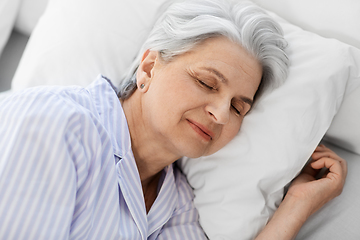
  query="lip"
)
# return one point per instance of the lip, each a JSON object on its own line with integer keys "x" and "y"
{"x": 203, "y": 131}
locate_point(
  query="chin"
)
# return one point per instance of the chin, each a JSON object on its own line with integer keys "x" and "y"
{"x": 193, "y": 152}
{"x": 194, "y": 148}
{"x": 194, "y": 155}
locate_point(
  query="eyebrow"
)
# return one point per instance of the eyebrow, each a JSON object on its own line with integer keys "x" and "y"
{"x": 247, "y": 100}
{"x": 225, "y": 80}
{"x": 217, "y": 73}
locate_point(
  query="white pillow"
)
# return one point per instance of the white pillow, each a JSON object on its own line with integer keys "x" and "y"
{"x": 345, "y": 128}
{"x": 332, "y": 19}
{"x": 238, "y": 188}
{"x": 8, "y": 12}
{"x": 75, "y": 40}
{"x": 29, "y": 14}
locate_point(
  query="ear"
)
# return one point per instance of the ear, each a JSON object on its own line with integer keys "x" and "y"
{"x": 145, "y": 70}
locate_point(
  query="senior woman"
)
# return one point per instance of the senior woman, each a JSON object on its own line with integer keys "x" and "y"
{"x": 99, "y": 162}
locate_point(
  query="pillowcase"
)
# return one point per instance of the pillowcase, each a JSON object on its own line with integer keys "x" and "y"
{"x": 344, "y": 130}
{"x": 332, "y": 19}
{"x": 340, "y": 20}
{"x": 75, "y": 40}
{"x": 29, "y": 14}
{"x": 8, "y": 12}
{"x": 238, "y": 188}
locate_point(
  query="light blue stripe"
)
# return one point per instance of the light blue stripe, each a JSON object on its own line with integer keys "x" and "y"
{"x": 59, "y": 178}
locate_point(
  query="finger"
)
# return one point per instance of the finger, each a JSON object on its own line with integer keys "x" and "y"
{"x": 328, "y": 154}
{"x": 308, "y": 169}
{"x": 343, "y": 165}
{"x": 322, "y": 173}
{"x": 335, "y": 177}
{"x": 334, "y": 166}
{"x": 322, "y": 151}
{"x": 322, "y": 148}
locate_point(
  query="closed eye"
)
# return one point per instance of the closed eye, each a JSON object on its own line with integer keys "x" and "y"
{"x": 237, "y": 111}
{"x": 204, "y": 84}
{"x": 240, "y": 108}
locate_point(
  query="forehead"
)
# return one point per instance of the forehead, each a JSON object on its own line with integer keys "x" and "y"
{"x": 225, "y": 59}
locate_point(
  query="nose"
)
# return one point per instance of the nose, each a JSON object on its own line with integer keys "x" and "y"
{"x": 219, "y": 110}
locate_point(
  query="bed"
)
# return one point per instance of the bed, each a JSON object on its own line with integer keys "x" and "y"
{"x": 63, "y": 42}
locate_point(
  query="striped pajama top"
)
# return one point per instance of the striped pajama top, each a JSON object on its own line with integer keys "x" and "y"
{"x": 67, "y": 171}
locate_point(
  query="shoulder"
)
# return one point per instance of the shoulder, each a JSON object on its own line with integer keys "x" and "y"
{"x": 55, "y": 121}
{"x": 54, "y": 113}
{"x": 47, "y": 104}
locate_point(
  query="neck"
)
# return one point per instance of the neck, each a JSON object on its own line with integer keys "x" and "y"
{"x": 149, "y": 187}
{"x": 150, "y": 154}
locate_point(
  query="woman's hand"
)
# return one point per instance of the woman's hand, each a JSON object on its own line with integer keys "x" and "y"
{"x": 314, "y": 190}
{"x": 307, "y": 193}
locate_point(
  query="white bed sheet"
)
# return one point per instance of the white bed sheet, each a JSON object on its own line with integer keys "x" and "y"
{"x": 340, "y": 218}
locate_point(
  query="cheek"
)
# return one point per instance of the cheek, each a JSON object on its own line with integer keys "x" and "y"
{"x": 165, "y": 100}
{"x": 175, "y": 93}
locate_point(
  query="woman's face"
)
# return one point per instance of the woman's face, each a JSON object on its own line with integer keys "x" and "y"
{"x": 194, "y": 105}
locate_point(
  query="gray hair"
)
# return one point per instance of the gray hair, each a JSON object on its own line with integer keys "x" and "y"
{"x": 185, "y": 24}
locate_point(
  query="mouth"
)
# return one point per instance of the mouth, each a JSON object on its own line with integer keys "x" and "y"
{"x": 203, "y": 131}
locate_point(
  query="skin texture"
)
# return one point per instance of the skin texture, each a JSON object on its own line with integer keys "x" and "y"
{"x": 194, "y": 105}
{"x": 191, "y": 106}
